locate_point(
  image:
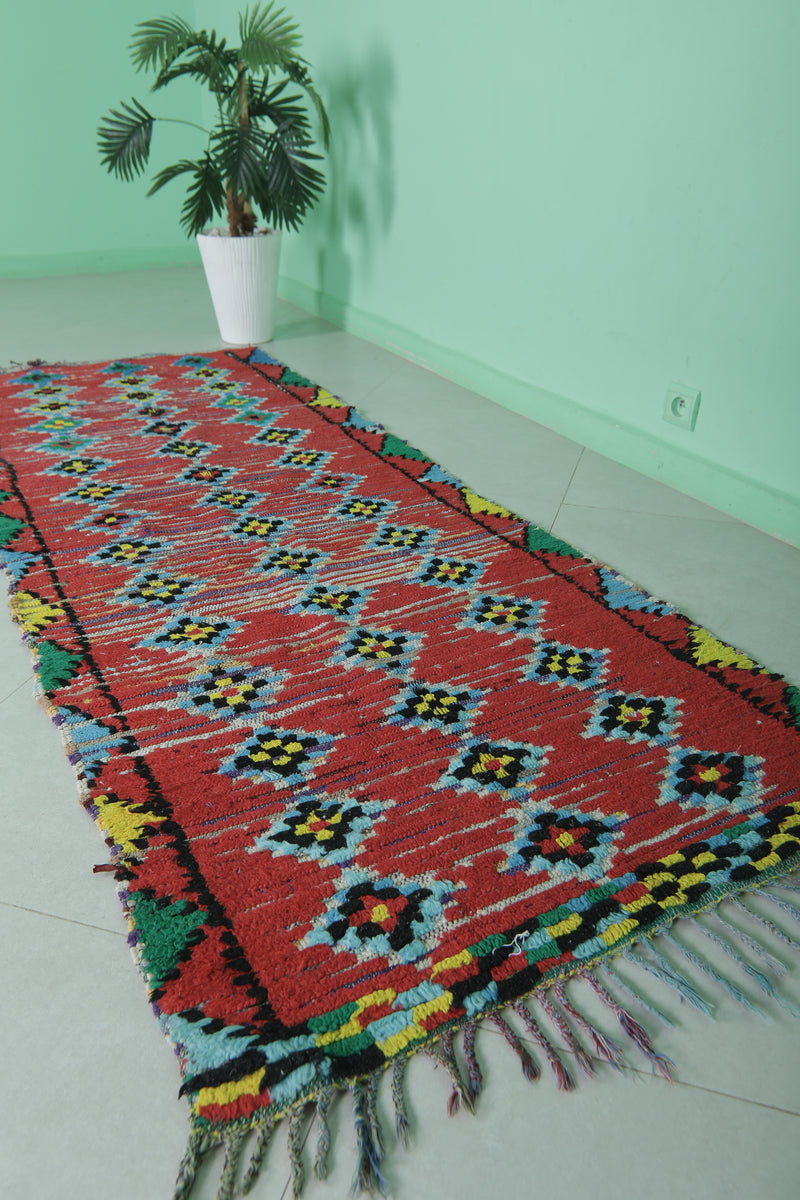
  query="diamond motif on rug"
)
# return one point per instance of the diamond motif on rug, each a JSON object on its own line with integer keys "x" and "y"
{"x": 292, "y": 560}
{"x": 338, "y": 602}
{"x": 192, "y": 632}
{"x": 712, "y": 781}
{"x": 450, "y": 572}
{"x": 398, "y": 537}
{"x": 388, "y": 917}
{"x": 128, "y": 552}
{"x": 263, "y": 528}
{"x": 229, "y": 692}
{"x": 571, "y": 845}
{"x": 233, "y": 498}
{"x": 284, "y": 757}
{"x": 486, "y": 766}
{"x": 390, "y": 650}
{"x": 634, "y": 717}
{"x": 505, "y": 614}
{"x": 436, "y": 706}
{"x": 327, "y": 829}
{"x": 567, "y": 665}
{"x": 159, "y": 589}
{"x": 364, "y": 508}
{"x": 304, "y": 459}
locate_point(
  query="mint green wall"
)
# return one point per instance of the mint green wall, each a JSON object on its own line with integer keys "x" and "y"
{"x": 63, "y": 67}
{"x": 564, "y": 204}
{"x": 567, "y": 204}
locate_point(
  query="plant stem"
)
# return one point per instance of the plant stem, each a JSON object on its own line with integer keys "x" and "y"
{"x": 178, "y": 121}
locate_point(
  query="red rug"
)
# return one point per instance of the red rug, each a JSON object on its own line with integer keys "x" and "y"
{"x": 376, "y": 759}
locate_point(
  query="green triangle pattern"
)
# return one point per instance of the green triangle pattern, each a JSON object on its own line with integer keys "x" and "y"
{"x": 166, "y": 932}
{"x": 539, "y": 539}
{"x": 395, "y": 445}
{"x": 9, "y": 528}
{"x": 56, "y": 665}
{"x": 793, "y": 702}
{"x": 290, "y": 376}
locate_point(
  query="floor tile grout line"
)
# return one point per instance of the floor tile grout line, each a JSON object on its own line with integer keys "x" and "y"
{"x": 25, "y": 683}
{"x": 38, "y": 912}
{"x": 643, "y": 512}
{"x": 562, "y": 501}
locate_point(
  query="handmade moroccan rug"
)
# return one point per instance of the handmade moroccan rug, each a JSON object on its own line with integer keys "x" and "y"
{"x": 375, "y": 759}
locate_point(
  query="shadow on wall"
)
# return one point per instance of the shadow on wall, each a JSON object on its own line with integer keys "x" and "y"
{"x": 356, "y": 212}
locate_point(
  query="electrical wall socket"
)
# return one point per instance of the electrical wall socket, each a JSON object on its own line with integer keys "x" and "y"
{"x": 681, "y": 404}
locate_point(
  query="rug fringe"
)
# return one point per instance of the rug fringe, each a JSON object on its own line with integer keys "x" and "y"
{"x": 324, "y": 1102}
{"x": 402, "y": 1124}
{"x": 565, "y": 1081}
{"x": 265, "y": 1128}
{"x": 698, "y": 961}
{"x": 442, "y": 1050}
{"x": 607, "y": 1049}
{"x": 580, "y": 1039}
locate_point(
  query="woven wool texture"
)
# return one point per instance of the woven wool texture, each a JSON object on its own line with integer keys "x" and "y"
{"x": 374, "y": 757}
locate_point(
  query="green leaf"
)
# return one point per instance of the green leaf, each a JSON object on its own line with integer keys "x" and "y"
{"x": 206, "y": 194}
{"x": 155, "y": 42}
{"x": 123, "y": 139}
{"x": 242, "y": 154}
{"x": 269, "y": 38}
{"x": 293, "y": 185}
{"x": 212, "y": 63}
{"x": 283, "y": 111}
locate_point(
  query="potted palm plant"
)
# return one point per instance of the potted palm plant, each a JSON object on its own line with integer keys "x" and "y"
{"x": 258, "y": 157}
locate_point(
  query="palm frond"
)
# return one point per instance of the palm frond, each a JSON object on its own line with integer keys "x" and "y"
{"x": 156, "y": 42}
{"x": 269, "y": 38}
{"x": 170, "y": 173}
{"x": 293, "y": 184}
{"x": 240, "y": 152}
{"x": 123, "y": 139}
{"x": 298, "y": 73}
{"x": 206, "y": 194}
{"x": 205, "y": 198}
{"x": 211, "y": 63}
{"x": 285, "y": 112}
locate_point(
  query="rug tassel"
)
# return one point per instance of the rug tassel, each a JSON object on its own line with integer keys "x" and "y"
{"x": 442, "y": 1050}
{"x": 782, "y": 904}
{"x": 664, "y": 970}
{"x": 373, "y": 1084}
{"x": 725, "y": 983}
{"x": 565, "y": 1081}
{"x": 773, "y": 963}
{"x": 368, "y": 1176}
{"x": 623, "y": 985}
{"x": 233, "y": 1154}
{"x": 265, "y": 1129}
{"x": 470, "y": 1057}
{"x": 199, "y": 1145}
{"x": 770, "y": 926}
{"x": 530, "y": 1069}
{"x": 632, "y": 1028}
{"x": 607, "y": 1049}
{"x": 757, "y": 976}
{"x": 324, "y": 1101}
{"x": 573, "y": 1045}
{"x": 295, "y": 1141}
{"x": 401, "y": 1122}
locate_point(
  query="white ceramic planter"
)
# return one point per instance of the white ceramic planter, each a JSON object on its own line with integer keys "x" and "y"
{"x": 242, "y": 275}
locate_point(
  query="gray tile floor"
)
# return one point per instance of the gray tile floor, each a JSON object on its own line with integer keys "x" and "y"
{"x": 88, "y": 1105}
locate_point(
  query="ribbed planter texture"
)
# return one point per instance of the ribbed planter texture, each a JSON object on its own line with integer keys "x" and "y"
{"x": 242, "y": 275}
